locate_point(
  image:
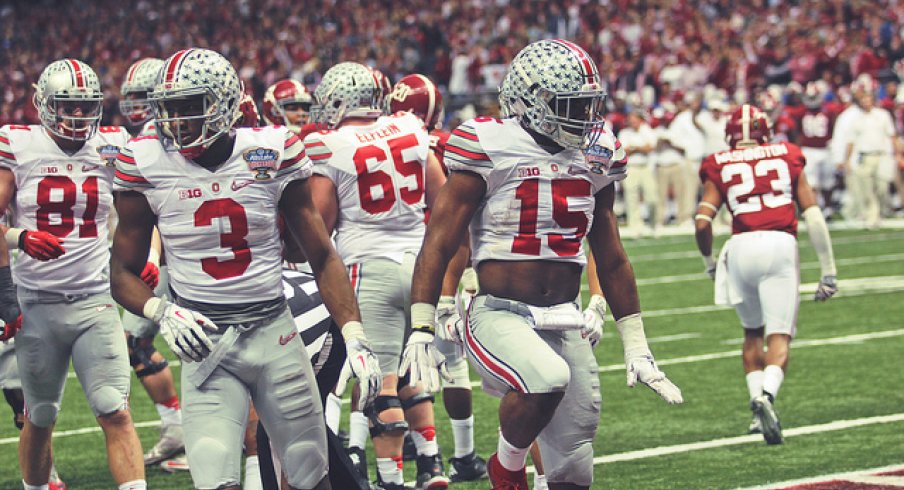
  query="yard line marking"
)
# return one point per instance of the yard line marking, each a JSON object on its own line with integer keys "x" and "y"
{"x": 83, "y": 430}
{"x": 845, "y": 339}
{"x": 847, "y": 475}
{"x": 673, "y": 338}
{"x": 700, "y": 276}
{"x": 851, "y": 240}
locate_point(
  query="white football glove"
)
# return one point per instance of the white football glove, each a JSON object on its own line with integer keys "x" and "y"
{"x": 594, "y": 317}
{"x": 709, "y": 266}
{"x": 448, "y": 321}
{"x": 642, "y": 367}
{"x": 826, "y": 289}
{"x": 344, "y": 376}
{"x": 363, "y": 363}
{"x": 183, "y": 329}
{"x": 469, "y": 281}
{"x": 424, "y": 362}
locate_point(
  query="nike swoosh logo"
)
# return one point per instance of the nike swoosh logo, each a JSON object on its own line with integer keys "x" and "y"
{"x": 103, "y": 307}
{"x": 287, "y": 339}
{"x": 238, "y": 185}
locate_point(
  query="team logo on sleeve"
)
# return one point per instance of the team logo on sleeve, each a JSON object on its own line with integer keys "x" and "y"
{"x": 262, "y": 161}
{"x": 108, "y": 154}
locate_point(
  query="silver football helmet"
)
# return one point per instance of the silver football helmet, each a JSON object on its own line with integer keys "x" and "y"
{"x": 140, "y": 80}
{"x": 195, "y": 85}
{"x": 346, "y": 90}
{"x": 553, "y": 87}
{"x": 69, "y": 99}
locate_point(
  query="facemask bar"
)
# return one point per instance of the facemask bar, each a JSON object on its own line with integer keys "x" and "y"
{"x": 168, "y": 125}
{"x": 572, "y": 115}
{"x": 67, "y": 126}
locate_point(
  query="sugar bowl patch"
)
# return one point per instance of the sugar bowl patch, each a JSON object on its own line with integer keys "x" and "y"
{"x": 262, "y": 161}
{"x": 108, "y": 154}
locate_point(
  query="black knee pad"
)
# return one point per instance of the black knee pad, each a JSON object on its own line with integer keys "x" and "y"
{"x": 380, "y": 405}
{"x": 417, "y": 400}
{"x": 16, "y": 400}
{"x": 140, "y": 352}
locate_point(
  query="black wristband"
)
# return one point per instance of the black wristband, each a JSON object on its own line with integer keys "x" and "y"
{"x": 21, "y": 243}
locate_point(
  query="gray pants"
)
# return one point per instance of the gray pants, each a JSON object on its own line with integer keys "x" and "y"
{"x": 269, "y": 366}
{"x": 85, "y": 328}
{"x": 510, "y": 355}
{"x": 383, "y": 287}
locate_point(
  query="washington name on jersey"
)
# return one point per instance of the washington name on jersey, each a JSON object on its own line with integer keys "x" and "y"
{"x": 757, "y": 184}
{"x": 537, "y": 206}
{"x": 69, "y": 196}
{"x": 219, "y": 226}
{"x": 379, "y": 171}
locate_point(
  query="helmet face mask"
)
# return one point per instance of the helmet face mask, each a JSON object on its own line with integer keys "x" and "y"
{"x": 69, "y": 100}
{"x": 346, "y": 90}
{"x": 553, "y": 88}
{"x": 195, "y": 101}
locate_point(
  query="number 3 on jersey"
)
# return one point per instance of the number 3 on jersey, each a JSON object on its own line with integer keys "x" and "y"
{"x": 233, "y": 240}
{"x": 369, "y": 179}
{"x": 564, "y": 245}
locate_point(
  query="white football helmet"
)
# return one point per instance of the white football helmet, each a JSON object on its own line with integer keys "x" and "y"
{"x": 195, "y": 85}
{"x": 139, "y": 82}
{"x": 69, "y": 99}
{"x": 553, "y": 87}
{"x": 285, "y": 93}
{"x": 346, "y": 90}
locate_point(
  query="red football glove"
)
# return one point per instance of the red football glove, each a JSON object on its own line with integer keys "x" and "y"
{"x": 41, "y": 245}
{"x": 151, "y": 275}
{"x": 9, "y": 330}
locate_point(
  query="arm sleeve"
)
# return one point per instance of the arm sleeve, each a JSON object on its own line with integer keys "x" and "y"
{"x": 295, "y": 162}
{"x": 127, "y": 176}
{"x": 819, "y": 238}
{"x": 464, "y": 152}
{"x": 7, "y": 157}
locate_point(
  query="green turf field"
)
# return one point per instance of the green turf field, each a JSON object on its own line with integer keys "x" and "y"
{"x": 847, "y": 364}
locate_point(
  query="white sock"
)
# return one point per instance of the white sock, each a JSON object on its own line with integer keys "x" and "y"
{"x": 390, "y": 470}
{"x": 333, "y": 412}
{"x": 252, "y": 474}
{"x": 357, "y": 430}
{"x": 26, "y": 486}
{"x": 169, "y": 416}
{"x": 425, "y": 440}
{"x": 463, "y": 434}
{"x": 755, "y": 383}
{"x": 540, "y": 482}
{"x": 772, "y": 379}
{"x": 510, "y": 457}
{"x": 134, "y": 485}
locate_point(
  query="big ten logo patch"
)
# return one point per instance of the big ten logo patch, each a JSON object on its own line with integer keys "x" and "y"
{"x": 189, "y": 193}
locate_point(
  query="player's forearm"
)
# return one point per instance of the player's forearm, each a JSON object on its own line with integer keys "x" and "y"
{"x": 432, "y": 262}
{"x": 618, "y": 284}
{"x": 704, "y": 236}
{"x": 455, "y": 269}
{"x": 127, "y": 288}
{"x": 819, "y": 238}
{"x": 335, "y": 289}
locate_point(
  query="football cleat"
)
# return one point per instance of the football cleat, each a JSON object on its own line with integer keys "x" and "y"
{"x": 359, "y": 459}
{"x": 54, "y": 482}
{"x": 179, "y": 463}
{"x": 170, "y": 444}
{"x": 503, "y": 479}
{"x": 765, "y": 413}
{"x": 469, "y": 467}
{"x": 379, "y": 485}
{"x": 755, "y": 426}
{"x": 430, "y": 473}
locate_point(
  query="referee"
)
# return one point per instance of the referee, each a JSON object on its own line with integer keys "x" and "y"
{"x": 324, "y": 344}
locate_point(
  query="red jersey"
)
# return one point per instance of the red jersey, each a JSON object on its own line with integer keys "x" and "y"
{"x": 438, "y": 140}
{"x": 815, "y": 128}
{"x": 783, "y": 127}
{"x": 757, "y": 184}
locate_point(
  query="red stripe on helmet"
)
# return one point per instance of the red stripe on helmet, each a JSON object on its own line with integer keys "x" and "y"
{"x": 132, "y": 70}
{"x": 583, "y": 58}
{"x": 173, "y": 65}
{"x": 77, "y": 73}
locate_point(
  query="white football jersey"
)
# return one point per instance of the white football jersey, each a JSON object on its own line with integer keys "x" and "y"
{"x": 69, "y": 196}
{"x": 219, "y": 227}
{"x": 537, "y": 206}
{"x": 379, "y": 171}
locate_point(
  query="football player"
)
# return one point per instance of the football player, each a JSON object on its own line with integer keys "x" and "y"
{"x": 151, "y": 368}
{"x": 816, "y": 126}
{"x": 419, "y": 95}
{"x": 531, "y": 186}
{"x": 288, "y": 103}
{"x": 758, "y": 268}
{"x": 214, "y": 193}
{"x": 59, "y": 177}
{"x": 373, "y": 177}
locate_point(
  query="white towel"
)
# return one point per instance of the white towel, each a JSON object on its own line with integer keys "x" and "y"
{"x": 725, "y": 294}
